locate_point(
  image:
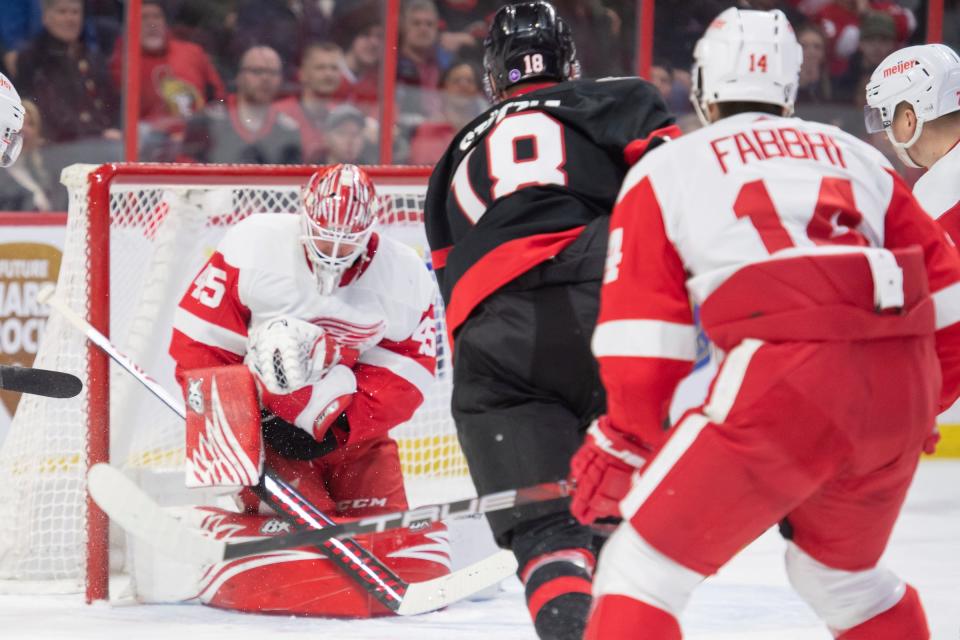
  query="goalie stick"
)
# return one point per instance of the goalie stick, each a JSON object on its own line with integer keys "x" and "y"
{"x": 137, "y": 514}
{"x": 39, "y": 382}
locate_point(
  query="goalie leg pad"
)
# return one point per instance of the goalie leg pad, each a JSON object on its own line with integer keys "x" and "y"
{"x": 303, "y": 581}
{"x": 224, "y": 445}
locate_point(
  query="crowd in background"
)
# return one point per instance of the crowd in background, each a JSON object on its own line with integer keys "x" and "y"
{"x": 297, "y": 81}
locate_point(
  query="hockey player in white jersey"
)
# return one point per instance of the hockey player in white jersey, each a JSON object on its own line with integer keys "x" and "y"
{"x": 914, "y": 96}
{"x": 835, "y": 302}
{"x": 327, "y": 328}
{"x": 11, "y": 122}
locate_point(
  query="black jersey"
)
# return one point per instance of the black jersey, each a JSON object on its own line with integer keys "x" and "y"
{"x": 520, "y": 182}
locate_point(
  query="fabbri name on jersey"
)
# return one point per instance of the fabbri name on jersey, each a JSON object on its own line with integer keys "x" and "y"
{"x": 499, "y": 114}
{"x": 759, "y": 144}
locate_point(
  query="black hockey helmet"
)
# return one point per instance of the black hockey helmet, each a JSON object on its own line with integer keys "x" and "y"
{"x": 527, "y": 40}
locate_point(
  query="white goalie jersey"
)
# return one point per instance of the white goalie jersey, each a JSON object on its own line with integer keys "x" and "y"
{"x": 383, "y": 309}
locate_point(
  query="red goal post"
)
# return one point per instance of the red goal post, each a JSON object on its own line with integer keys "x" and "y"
{"x": 136, "y": 236}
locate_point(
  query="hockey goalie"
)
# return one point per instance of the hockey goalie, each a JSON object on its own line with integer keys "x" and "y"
{"x": 304, "y": 339}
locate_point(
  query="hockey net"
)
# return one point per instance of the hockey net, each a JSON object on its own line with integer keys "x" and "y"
{"x": 136, "y": 236}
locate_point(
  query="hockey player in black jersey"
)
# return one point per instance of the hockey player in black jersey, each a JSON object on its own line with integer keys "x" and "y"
{"x": 516, "y": 213}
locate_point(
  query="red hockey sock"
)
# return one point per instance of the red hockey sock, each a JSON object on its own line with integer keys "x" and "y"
{"x": 622, "y": 617}
{"x": 903, "y": 621}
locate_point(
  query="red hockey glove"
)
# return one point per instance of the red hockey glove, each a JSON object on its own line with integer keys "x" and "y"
{"x": 316, "y": 406}
{"x": 637, "y": 148}
{"x": 602, "y": 469}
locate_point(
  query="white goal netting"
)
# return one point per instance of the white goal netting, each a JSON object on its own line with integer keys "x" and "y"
{"x": 163, "y": 224}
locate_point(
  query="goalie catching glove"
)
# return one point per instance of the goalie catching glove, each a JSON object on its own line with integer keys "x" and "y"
{"x": 287, "y": 353}
{"x": 302, "y": 373}
{"x": 602, "y": 469}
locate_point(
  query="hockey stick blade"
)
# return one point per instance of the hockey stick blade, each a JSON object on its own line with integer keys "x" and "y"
{"x": 39, "y": 382}
{"x": 413, "y": 518}
{"x": 431, "y": 595}
{"x": 138, "y": 514}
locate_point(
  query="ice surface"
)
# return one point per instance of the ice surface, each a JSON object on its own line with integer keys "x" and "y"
{"x": 749, "y": 600}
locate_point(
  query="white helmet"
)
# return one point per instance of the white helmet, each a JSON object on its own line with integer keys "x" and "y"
{"x": 926, "y": 76}
{"x": 11, "y": 123}
{"x": 339, "y": 211}
{"x": 746, "y": 56}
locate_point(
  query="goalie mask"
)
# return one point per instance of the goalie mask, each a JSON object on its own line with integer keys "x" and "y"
{"x": 11, "y": 123}
{"x": 339, "y": 210}
{"x": 527, "y": 40}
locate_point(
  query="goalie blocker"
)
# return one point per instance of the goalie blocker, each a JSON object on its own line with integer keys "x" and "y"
{"x": 225, "y": 448}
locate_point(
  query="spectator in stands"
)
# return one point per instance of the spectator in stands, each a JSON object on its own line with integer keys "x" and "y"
{"x": 103, "y": 24}
{"x": 951, "y": 23}
{"x": 320, "y": 78}
{"x": 68, "y": 81}
{"x": 362, "y": 38}
{"x": 210, "y": 24}
{"x": 20, "y": 23}
{"x": 30, "y": 184}
{"x": 177, "y": 77}
{"x": 878, "y": 39}
{"x": 596, "y": 32}
{"x": 464, "y": 25}
{"x": 284, "y": 25}
{"x": 461, "y": 94}
{"x": 795, "y": 17}
{"x": 345, "y": 141}
{"x": 673, "y": 85}
{"x": 421, "y": 60}
{"x": 248, "y": 128}
{"x": 841, "y": 21}
{"x": 661, "y": 76}
{"x": 814, "y": 80}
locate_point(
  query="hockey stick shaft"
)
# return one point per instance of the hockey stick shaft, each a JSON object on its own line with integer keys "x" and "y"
{"x": 413, "y": 518}
{"x": 39, "y": 382}
{"x": 47, "y": 296}
{"x": 368, "y": 571}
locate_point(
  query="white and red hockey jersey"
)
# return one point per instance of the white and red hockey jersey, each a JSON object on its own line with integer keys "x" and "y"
{"x": 383, "y": 308}
{"x": 765, "y": 223}
{"x": 938, "y": 192}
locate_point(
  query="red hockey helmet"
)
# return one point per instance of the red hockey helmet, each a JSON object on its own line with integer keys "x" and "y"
{"x": 339, "y": 211}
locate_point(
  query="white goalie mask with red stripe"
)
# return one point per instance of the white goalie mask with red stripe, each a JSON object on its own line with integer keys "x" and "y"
{"x": 339, "y": 211}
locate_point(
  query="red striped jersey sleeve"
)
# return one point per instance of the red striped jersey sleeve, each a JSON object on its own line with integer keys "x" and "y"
{"x": 393, "y": 378}
{"x": 210, "y": 322}
{"x": 949, "y": 221}
{"x": 907, "y": 224}
{"x": 645, "y": 340}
